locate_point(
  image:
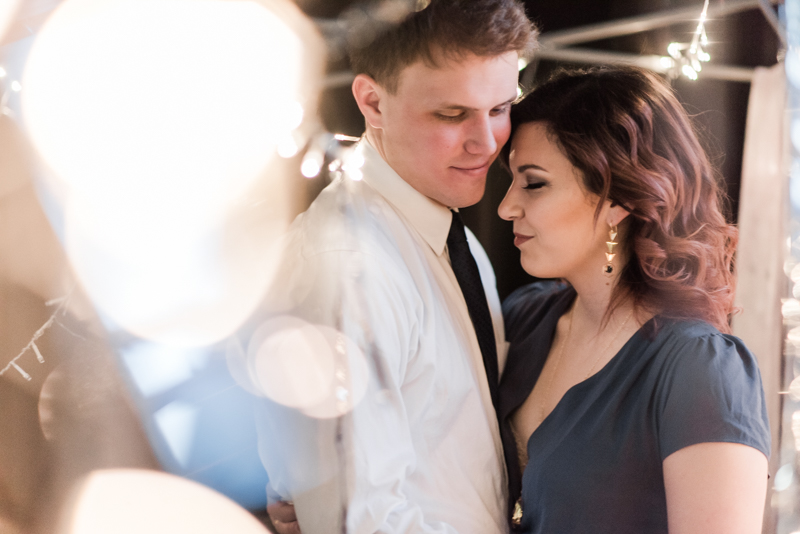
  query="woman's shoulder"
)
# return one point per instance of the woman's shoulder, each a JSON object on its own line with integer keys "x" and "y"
{"x": 693, "y": 346}
{"x": 690, "y": 338}
{"x": 709, "y": 381}
{"x": 532, "y": 302}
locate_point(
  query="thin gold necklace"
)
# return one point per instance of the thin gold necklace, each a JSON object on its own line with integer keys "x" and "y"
{"x": 548, "y": 389}
{"x": 613, "y": 339}
{"x": 557, "y": 361}
{"x": 522, "y": 449}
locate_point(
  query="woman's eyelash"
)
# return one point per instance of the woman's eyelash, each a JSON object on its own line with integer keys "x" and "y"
{"x": 534, "y": 185}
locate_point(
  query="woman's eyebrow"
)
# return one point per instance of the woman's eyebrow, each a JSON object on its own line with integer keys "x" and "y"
{"x": 523, "y": 168}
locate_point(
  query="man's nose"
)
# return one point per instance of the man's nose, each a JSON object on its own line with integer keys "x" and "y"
{"x": 480, "y": 137}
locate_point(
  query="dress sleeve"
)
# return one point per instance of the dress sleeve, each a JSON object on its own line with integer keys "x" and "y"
{"x": 352, "y": 469}
{"x": 711, "y": 391}
{"x": 529, "y": 302}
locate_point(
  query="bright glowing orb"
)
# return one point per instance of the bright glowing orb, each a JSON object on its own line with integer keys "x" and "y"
{"x": 161, "y": 120}
{"x": 310, "y": 367}
{"x": 131, "y": 501}
{"x": 181, "y": 99}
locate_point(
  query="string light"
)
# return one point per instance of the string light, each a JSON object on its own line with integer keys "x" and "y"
{"x": 688, "y": 58}
{"x": 32, "y": 346}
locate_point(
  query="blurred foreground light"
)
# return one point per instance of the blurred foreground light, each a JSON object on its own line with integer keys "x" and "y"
{"x": 794, "y": 336}
{"x": 674, "y": 50}
{"x": 790, "y": 308}
{"x": 7, "y": 9}
{"x": 160, "y": 121}
{"x": 784, "y": 477}
{"x": 689, "y": 72}
{"x": 794, "y": 389}
{"x": 288, "y": 148}
{"x": 131, "y": 501}
{"x": 178, "y": 98}
{"x": 310, "y": 367}
{"x": 312, "y": 163}
{"x": 792, "y": 64}
{"x": 796, "y": 429}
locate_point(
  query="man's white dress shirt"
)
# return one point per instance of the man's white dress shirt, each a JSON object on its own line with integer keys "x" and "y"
{"x": 421, "y": 450}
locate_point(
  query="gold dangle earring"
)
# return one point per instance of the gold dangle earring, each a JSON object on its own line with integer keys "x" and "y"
{"x": 608, "y": 268}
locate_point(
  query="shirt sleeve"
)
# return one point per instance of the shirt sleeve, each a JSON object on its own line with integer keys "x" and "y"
{"x": 352, "y": 469}
{"x": 711, "y": 391}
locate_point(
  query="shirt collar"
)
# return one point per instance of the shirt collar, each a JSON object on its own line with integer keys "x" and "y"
{"x": 431, "y": 219}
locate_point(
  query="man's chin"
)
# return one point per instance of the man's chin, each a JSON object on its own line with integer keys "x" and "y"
{"x": 466, "y": 199}
{"x": 463, "y": 202}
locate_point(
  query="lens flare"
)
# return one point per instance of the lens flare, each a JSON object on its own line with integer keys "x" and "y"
{"x": 310, "y": 367}
{"x": 161, "y": 120}
{"x": 131, "y": 501}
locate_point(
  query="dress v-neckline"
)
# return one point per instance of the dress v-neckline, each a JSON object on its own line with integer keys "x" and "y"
{"x": 603, "y": 370}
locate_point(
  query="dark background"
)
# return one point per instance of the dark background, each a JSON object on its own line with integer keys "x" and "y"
{"x": 743, "y": 39}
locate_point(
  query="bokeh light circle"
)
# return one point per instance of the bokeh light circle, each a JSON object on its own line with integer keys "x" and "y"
{"x": 162, "y": 98}
{"x": 310, "y": 367}
{"x": 133, "y": 501}
{"x": 158, "y": 123}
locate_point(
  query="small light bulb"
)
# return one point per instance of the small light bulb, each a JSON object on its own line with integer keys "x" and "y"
{"x": 310, "y": 168}
{"x": 287, "y": 148}
{"x": 689, "y": 72}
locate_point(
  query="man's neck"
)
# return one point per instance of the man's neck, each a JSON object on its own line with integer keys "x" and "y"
{"x": 376, "y": 140}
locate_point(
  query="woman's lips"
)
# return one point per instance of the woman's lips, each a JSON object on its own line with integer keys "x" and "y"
{"x": 519, "y": 239}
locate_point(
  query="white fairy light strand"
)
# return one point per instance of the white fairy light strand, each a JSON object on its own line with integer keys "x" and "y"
{"x": 688, "y": 57}
{"x": 32, "y": 346}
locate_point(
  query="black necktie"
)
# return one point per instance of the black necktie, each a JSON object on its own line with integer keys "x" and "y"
{"x": 469, "y": 279}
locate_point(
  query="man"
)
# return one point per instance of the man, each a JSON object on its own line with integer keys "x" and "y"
{"x": 380, "y": 260}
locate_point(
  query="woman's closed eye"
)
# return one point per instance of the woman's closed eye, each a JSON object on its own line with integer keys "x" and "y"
{"x": 534, "y": 185}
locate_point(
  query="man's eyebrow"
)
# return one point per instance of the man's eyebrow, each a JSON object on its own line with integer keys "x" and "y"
{"x": 523, "y": 168}
{"x": 457, "y": 107}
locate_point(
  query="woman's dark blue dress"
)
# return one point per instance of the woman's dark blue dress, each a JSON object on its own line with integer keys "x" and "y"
{"x": 595, "y": 463}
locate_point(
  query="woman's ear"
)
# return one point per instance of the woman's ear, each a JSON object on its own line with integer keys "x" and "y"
{"x": 616, "y": 214}
{"x": 369, "y": 94}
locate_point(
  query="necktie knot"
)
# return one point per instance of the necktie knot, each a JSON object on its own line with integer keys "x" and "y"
{"x": 457, "y": 233}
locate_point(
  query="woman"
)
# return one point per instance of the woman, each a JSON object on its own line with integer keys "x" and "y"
{"x": 634, "y": 409}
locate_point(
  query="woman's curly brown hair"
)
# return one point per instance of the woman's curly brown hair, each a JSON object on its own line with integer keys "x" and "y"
{"x": 626, "y": 131}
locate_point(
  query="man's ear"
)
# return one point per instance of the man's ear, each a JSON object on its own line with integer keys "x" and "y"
{"x": 368, "y": 94}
